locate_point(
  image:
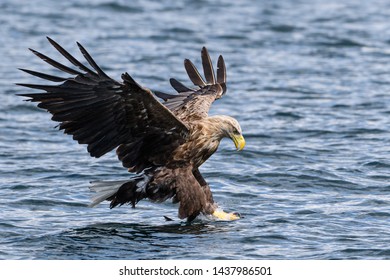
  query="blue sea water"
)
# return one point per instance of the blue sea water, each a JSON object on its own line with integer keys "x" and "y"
{"x": 309, "y": 82}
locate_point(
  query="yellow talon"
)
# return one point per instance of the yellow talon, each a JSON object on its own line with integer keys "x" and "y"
{"x": 222, "y": 215}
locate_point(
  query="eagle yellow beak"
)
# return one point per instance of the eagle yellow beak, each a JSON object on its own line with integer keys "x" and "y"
{"x": 239, "y": 141}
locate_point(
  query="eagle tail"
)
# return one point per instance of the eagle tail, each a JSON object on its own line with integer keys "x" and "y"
{"x": 104, "y": 190}
{"x": 120, "y": 192}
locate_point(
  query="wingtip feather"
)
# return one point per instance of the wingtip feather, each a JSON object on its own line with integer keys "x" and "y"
{"x": 221, "y": 70}
{"x": 193, "y": 73}
{"x": 207, "y": 66}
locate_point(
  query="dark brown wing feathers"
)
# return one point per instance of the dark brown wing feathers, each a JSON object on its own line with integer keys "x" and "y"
{"x": 55, "y": 63}
{"x": 221, "y": 73}
{"x": 207, "y": 67}
{"x": 192, "y": 104}
{"x": 208, "y": 70}
{"x": 178, "y": 86}
{"x": 193, "y": 73}
{"x": 69, "y": 57}
{"x": 44, "y": 76}
{"x": 104, "y": 114}
{"x": 92, "y": 62}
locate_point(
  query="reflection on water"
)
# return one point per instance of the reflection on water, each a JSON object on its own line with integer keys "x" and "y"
{"x": 133, "y": 241}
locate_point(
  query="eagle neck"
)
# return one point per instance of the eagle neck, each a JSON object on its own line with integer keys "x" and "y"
{"x": 217, "y": 127}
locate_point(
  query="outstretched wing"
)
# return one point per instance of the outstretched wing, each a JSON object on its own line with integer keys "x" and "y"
{"x": 190, "y": 104}
{"x": 104, "y": 114}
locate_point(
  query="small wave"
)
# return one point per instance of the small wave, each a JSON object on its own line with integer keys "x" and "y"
{"x": 289, "y": 115}
{"x": 7, "y": 225}
{"x": 364, "y": 130}
{"x": 364, "y": 253}
{"x": 117, "y": 7}
{"x": 20, "y": 187}
{"x": 379, "y": 214}
{"x": 278, "y": 221}
{"x": 330, "y": 41}
{"x": 232, "y": 37}
{"x": 377, "y": 164}
{"x": 24, "y": 107}
{"x": 283, "y": 28}
{"x": 179, "y": 30}
{"x": 47, "y": 202}
{"x": 305, "y": 212}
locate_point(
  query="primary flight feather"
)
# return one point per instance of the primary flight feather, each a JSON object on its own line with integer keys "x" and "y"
{"x": 163, "y": 142}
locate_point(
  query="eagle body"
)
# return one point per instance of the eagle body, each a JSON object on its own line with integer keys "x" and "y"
{"x": 203, "y": 141}
{"x": 163, "y": 142}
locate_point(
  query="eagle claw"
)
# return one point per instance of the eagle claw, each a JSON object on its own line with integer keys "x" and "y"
{"x": 222, "y": 215}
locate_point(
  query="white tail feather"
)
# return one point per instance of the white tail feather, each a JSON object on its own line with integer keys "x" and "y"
{"x": 103, "y": 190}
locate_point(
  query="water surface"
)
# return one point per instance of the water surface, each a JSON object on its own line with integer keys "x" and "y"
{"x": 309, "y": 82}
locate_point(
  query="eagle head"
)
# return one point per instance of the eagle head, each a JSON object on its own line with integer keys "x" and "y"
{"x": 229, "y": 127}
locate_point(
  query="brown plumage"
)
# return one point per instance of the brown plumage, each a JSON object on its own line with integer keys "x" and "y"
{"x": 164, "y": 143}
